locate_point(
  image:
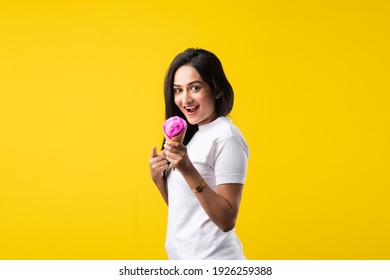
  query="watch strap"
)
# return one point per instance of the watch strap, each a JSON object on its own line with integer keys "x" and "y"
{"x": 199, "y": 188}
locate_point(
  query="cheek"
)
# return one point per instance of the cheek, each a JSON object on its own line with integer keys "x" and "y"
{"x": 177, "y": 100}
{"x": 210, "y": 101}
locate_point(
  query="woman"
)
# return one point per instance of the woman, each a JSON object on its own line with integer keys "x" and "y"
{"x": 204, "y": 191}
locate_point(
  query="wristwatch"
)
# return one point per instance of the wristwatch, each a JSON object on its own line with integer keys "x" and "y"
{"x": 200, "y": 187}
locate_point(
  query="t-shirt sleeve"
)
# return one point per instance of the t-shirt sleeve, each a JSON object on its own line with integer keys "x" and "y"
{"x": 231, "y": 161}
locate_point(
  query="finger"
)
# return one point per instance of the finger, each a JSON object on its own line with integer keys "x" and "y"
{"x": 161, "y": 163}
{"x": 176, "y": 145}
{"x": 160, "y": 172}
{"x": 163, "y": 167}
{"x": 167, "y": 147}
{"x": 171, "y": 149}
{"x": 167, "y": 157}
{"x": 154, "y": 152}
{"x": 159, "y": 167}
{"x": 172, "y": 143}
{"x": 161, "y": 155}
{"x": 160, "y": 159}
{"x": 171, "y": 159}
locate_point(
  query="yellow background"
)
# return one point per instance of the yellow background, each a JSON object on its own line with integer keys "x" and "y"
{"x": 81, "y": 106}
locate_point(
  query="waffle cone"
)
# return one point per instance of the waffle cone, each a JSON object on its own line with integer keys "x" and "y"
{"x": 179, "y": 139}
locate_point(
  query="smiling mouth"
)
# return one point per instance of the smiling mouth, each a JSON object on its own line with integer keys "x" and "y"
{"x": 191, "y": 109}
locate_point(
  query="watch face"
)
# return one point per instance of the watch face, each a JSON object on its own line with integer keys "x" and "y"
{"x": 200, "y": 187}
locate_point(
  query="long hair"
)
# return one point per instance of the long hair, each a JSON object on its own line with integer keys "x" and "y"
{"x": 210, "y": 69}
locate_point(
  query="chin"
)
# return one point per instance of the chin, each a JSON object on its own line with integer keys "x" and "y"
{"x": 193, "y": 122}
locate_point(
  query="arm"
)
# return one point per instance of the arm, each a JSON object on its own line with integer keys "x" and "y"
{"x": 157, "y": 165}
{"x": 221, "y": 206}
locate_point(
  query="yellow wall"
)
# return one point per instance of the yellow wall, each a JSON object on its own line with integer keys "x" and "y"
{"x": 81, "y": 106}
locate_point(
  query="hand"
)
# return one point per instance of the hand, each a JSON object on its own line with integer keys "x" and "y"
{"x": 176, "y": 154}
{"x": 158, "y": 163}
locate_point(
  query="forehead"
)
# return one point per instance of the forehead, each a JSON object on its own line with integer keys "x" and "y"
{"x": 185, "y": 75}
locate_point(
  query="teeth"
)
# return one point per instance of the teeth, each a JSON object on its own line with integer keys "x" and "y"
{"x": 191, "y": 109}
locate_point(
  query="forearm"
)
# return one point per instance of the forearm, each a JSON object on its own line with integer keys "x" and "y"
{"x": 217, "y": 207}
{"x": 162, "y": 187}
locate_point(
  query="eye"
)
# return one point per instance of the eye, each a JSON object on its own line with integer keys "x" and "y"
{"x": 176, "y": 90}
{"x": 195, "y": 88}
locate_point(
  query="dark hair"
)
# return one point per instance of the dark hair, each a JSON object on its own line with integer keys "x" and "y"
{"x": 210, "y": 69}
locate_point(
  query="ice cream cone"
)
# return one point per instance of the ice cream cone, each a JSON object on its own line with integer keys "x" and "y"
{"x": 179, "y": 139}
{"x": 176, "y": 128}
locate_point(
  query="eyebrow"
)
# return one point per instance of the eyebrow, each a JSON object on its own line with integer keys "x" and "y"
{"x": 193, "y": 82}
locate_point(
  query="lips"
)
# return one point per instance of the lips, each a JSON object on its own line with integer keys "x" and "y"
{"x": 191, "y": 110}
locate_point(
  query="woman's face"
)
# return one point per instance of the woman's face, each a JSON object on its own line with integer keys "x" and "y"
{"x": 193, "y": 96}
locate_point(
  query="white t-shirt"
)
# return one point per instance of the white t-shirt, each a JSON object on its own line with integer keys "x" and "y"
{"x": 220, "y": 154}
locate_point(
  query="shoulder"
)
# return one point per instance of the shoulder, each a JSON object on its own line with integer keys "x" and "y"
{"x": 221, "y": 134}
{"x": 228, "y": 133}
{"x": 223, "y": 127}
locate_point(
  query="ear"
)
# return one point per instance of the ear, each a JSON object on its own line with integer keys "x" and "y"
{"x": 218, "y": 95}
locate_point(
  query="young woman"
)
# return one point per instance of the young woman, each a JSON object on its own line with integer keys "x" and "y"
{"x": 203, "y": 193}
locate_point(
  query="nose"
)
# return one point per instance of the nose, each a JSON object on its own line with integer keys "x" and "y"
{"x": 186, "y": 98}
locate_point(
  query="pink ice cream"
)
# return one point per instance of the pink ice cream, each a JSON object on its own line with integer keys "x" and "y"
{"x": 174, "y": 126}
